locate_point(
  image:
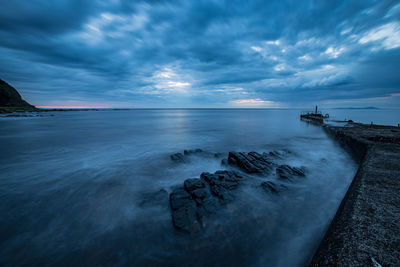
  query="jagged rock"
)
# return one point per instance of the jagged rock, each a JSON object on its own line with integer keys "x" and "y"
{"x": 251, "y": 162}
{"x": 178, "y": 157}
{"x": 184, "y": 211}
{"x": 287, "y": 172}
{"x": 222, "y": 183}
{"x": 272, "y": 187}
{"x": 193, "y": 184}
{"x": 192, "y": 204}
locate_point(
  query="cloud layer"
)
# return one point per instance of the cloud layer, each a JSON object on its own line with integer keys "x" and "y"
{"x": 204, "y": 53}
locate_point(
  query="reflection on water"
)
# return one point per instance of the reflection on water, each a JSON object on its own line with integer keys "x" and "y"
{"x": 80, "y": 188}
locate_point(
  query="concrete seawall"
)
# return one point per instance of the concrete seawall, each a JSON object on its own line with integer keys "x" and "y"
{"x": 366, "y": 228}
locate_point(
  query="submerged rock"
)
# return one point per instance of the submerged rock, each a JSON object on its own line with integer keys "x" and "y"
{"x": 272, "y": 187}
{"x": 191, "y": 152}
{"x": 287, "y": 172}
{"x": 188, "y": 153}
{"x": 279, "y": 153}
{"x": 158, "y": 197}
{"x": 178, "y": 157}
{"x": 251, "y": 162}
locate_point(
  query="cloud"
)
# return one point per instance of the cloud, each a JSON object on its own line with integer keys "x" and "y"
{"x": 386, "y": 36}
{"x": 199, "y": 53}
{"x": 254, "y": 102}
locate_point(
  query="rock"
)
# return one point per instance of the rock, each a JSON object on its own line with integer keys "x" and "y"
{"x": 9, "y": 97}
{"x": 187, "y": 154}
{"x": 184, "y": 211}
{"x": 287, "y": 172}
{"x": 222, "y": 183}
{"x": 279, "y": 153}
{"x": 191, "y": 152}
{"x": 272, "y": 187}
{"x": 251, "y": 162}
{"x": 191, "y": 205}
{"x": 178, "y": 157}
{"x": 193, "y": 184}
{"x": 197, "y": 189}
{"x": 275, "y": 154}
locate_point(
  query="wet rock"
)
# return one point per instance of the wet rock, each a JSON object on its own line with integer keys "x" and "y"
{"x": 197, "y": 189}
{"x": 192, "y": 203}
{"x": 287, "y": 172}
{"x": 178, "y": 157}
{"x": 193, "y": 184}
{"x": 222, "y": 183}
{"x": 184, "y": 211}
{"x": 272, "y": 187}
{"x": 251, "y": 162}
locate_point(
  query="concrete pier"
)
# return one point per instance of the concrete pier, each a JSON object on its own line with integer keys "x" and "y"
{"x": 366, "y": 228}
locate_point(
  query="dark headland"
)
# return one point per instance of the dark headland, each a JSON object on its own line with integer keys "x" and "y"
{"x": 366, "y": 228}
{"x": 11, "y": 100}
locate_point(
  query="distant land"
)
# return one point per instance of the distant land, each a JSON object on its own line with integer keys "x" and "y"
{"x": 358, "y": 108}
{"x": 10, "y": 99}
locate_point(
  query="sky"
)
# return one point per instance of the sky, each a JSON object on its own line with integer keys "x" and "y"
{"x": 203, "y": 53}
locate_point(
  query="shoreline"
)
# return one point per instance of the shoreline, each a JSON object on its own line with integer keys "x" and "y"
{"x": 365, "y": 230}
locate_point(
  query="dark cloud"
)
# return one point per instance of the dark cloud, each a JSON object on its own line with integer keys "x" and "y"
{"x": 201, "y": 53}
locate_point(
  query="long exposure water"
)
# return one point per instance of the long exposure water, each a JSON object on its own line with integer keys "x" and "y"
{"x": 80, "y": 188}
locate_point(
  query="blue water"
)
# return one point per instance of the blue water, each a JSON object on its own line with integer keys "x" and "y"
{"x": 73, "y": 185}
{"x": 376, "y": 116}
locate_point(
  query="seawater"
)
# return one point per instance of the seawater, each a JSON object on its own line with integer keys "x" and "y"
{"x": 73, "y": 186}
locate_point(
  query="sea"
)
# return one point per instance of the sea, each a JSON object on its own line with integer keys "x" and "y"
{"x": 80, "y": 188}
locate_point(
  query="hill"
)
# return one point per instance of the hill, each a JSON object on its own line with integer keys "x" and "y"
{"x": 10, "y": 98}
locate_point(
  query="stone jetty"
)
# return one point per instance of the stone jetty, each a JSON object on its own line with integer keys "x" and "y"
{"x": 366, "y": 228}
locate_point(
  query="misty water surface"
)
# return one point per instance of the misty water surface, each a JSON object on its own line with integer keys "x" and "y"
{"x": 77, "y": 187}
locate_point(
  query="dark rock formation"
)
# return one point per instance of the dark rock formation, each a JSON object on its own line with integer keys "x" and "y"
{"x": 188, "y": 153}
{"x": 9, "y": 97}
{"x": 251, "y": 162}
{"x": 198, "y": 198}
{"x": 192, "y": 204}
{"x": 184, "y": 211}
{"x": 287, "y": 172}
{"x": 366, "y": 227}
{"x": 191, "y": 152}
{"x": 222, "y": 183}
{"x": 178, "y": 157}
{"x": 272, "y": 187}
